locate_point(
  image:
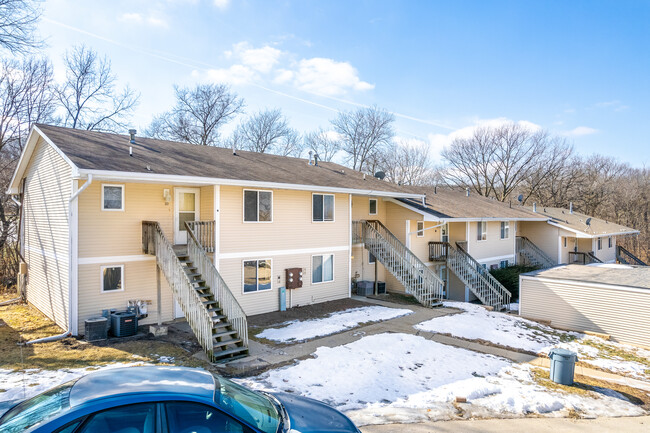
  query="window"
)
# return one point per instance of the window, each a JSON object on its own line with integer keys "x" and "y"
{"x": 610, "y": 242}
{"x": 258, "y": 206}
{"x": 135, "y": 417}
{"x": 481, "y": 231}
{"x": 444, "y": 233}
{"x": 503, "y": 264}
{"x": 372, "y": 209}
{"x": 195, "y": 417}
{"x": 371, "y": 258}
{"x": 112, "y": 278}
{"x": 565, "y": 241}
{"x": 257, "y": 275}
{"x": 113, "y": 197}
{"x": 420, "y": 229}
{"x": 600, "y": 243}
{"x": 505, "y": 229}
{"x": 322, "y": 269}
{"x": 322, "y": 207}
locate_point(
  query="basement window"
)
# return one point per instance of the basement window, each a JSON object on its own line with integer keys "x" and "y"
{"x": 322, "y": 207}
{"x": 258, "y": 206}
{"x": 372, "y": 206}
{"x": 322, "y": 268}
{"x": 112, "y": 278}
{"x": 481, "y": 231}
{"x": 257, "y": 275}
{"x": 113, "y": 197}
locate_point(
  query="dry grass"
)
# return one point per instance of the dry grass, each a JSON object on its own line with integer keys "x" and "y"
{"x": 21, "y": 322}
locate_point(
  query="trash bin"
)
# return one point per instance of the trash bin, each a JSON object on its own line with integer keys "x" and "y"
{"x": 562, "y": 366}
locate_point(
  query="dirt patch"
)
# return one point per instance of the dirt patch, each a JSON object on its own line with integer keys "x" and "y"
{"x": 397, "y": 298}
{"x": 306, "y": 312}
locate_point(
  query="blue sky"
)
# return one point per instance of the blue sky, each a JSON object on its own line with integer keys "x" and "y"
{"x": 577, "y": 68}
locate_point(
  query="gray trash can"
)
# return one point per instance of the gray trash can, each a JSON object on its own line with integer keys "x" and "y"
{"x": 563, "y": 364}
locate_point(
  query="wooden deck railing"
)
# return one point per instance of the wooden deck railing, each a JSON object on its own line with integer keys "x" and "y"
{"x": 203, "y": 231}
{"x": 154, "y": 242}
{"x": 438, "y": 251}
{"x": 218, "y": 287}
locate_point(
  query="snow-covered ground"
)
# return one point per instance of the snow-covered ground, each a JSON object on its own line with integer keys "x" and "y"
{"x": 406, "y": 378}
{"x": 297, "y": 330}
{"x": 477, "y": 323}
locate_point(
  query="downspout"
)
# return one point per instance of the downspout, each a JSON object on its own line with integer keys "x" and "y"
{"x": 69, "y": 330}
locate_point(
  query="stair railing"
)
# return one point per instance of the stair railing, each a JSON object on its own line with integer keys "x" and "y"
{"x": 582, "y": 258}
{"x": 203, "y": 231}
{"x": 539, "y": 257}
{"x": 487, "y": 288}
{"x": 217, "y": 286}
{"x": 417, "y": 278}
{"x": 155, "y": 243}
{"x": 626, "y": 257}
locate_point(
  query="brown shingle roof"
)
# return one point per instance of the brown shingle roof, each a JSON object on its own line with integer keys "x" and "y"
{"x": 446, "y": 202}
{"x": 91, "y": 150}
{"x": 578, "y": 222}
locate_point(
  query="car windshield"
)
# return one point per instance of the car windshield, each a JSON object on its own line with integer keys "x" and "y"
{"x": 36, "y": 409}
{"x": 249, "y": 406}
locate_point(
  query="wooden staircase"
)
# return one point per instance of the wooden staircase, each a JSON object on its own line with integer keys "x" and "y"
{"x": 211, "y": 310}
{"x": 417, "y": 279}
{"x": 470, "y": 272}
{"x": 627, "y": 258}
{"x": 533, "y": 255}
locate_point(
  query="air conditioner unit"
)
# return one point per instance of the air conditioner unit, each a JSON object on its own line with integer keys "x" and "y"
{"x": 96, "y": 329}
{"x": 124, "y": 324}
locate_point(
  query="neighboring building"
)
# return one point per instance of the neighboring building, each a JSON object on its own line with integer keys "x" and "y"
{"x": 603, "y": 298}
{"x": 211, "y": 235}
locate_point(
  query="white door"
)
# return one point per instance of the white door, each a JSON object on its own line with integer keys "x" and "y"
{"x": 186, "y": 208}
{"x": 178, "y": 312}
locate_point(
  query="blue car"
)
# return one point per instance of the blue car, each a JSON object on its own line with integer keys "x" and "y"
{"x": 168, "y": 400}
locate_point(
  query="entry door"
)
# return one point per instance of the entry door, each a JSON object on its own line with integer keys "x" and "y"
{"x": 186, "y": 208}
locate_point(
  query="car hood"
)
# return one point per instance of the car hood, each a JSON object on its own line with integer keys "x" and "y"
{"x": 312, "y": 416}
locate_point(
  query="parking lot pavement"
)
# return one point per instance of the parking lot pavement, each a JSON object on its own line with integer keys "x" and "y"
{"x": 529, "y": 425}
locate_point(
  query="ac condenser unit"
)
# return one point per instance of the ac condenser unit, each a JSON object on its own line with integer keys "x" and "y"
{"x": 124, "y": 324}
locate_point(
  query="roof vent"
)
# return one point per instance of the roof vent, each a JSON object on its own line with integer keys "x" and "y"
{"x": 534, "y": 207}
{"x": 316, "y": 159}
{"x": 435, "y": 189}
{"x": 132, "y": 133}
{"x": 467, "y": 191}
{"x": 570, "y": 207}
{"x": 424, "y": 200}
{"x": 234, "y": 149}
{"x": 310, "y": 156}
{"x": 380, "y": 175}
{"x": 364, "y": 176}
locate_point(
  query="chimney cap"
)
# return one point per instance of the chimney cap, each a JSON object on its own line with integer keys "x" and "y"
{"x": 132, "y": 133}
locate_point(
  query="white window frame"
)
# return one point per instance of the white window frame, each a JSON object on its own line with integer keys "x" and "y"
{"x": 121, "y": 186}
{"x": 370, "y": 201}
{"x": 479, "y": 228}
{"x": 610, "y": 242}
{"x": 243, "y": 276}
{"x": 333, "y": 208}
{"x": 243, "y": 216}
{"x": 599, "y": 244}
{"x": 504, "y": 225}
{"x": 101, "y": 278}
{"x": 312, "y": 268}
{"x": 420, "y": 233}
{"x": 373, "y": 262}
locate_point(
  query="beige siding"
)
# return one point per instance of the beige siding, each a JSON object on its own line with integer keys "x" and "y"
{"x": 457, "y": 232}
{"x": 207, "y": 203}
{"x": 621, "y": 313}
{"x": 493, "y": 249}
{"x": 362, "y": 267}
{"x": 396, "y": 217}
{"x": 48, "y": 187}
{"x": 361, "y": 209}
{"x": 139, "y": 283}
{"x": 269, "y": 300}
{"x": 606, "y": 254}
{"x": 292, "y": 226}
{"x": 544, "y": 235}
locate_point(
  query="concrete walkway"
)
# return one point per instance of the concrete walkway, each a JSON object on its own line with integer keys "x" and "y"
{"x": 529, "y": 425}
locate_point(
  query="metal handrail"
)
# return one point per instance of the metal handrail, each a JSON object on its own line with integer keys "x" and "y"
{"x": 417, "y": 278}
{"x": 539, "y": 257}
{"x": 155, "y": 243}
{"x": 579, "y": 257}
{"x": 624, "y": 256}
{"x": 229, "y": 305}
{"x": 204, "y": 233}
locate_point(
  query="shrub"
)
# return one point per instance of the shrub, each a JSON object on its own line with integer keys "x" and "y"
{"x": 509, "y": 277}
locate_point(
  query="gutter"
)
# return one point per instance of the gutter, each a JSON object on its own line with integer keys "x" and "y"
{"x": 68, "y": 332}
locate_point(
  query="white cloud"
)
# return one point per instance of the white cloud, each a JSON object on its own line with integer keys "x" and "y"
{"x": 236, "y": 74}
{"x": 580, "y": 131}
{"x": 328, "y": 77}
{"x": 221, "y": 4}
{"x": 283, "y": 76}
{"x": 261, "y": 59}
{"x": 614, "y": 105}
{"x": 137, "y": 18}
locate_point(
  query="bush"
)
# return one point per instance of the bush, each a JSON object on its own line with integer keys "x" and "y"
{"x": 509, "y": 277}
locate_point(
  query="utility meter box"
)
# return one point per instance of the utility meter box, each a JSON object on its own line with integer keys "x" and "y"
{"x": 293, "y": 278}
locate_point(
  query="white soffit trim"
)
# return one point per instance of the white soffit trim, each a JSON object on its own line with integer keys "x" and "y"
{"x": 26, "y": 156}
{"x": 584, "y": 235}
{"x": 115, "y": 259}
{"x": 254, "y": 254}
{"x": 198, "y": 180}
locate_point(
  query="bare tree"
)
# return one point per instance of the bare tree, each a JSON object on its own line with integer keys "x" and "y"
{"x": 18, "y": 19}
{"x": 496, "y": 161}
{"x": 407, "y": 163}
{"x": 323, "y": 144}
{"x": 291, "y": 144}
{"x": 363, "y": 132}
{"x": 266, "y": 131}
{"x": 88, "y": 94}
{"x": 198, "y": 115}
